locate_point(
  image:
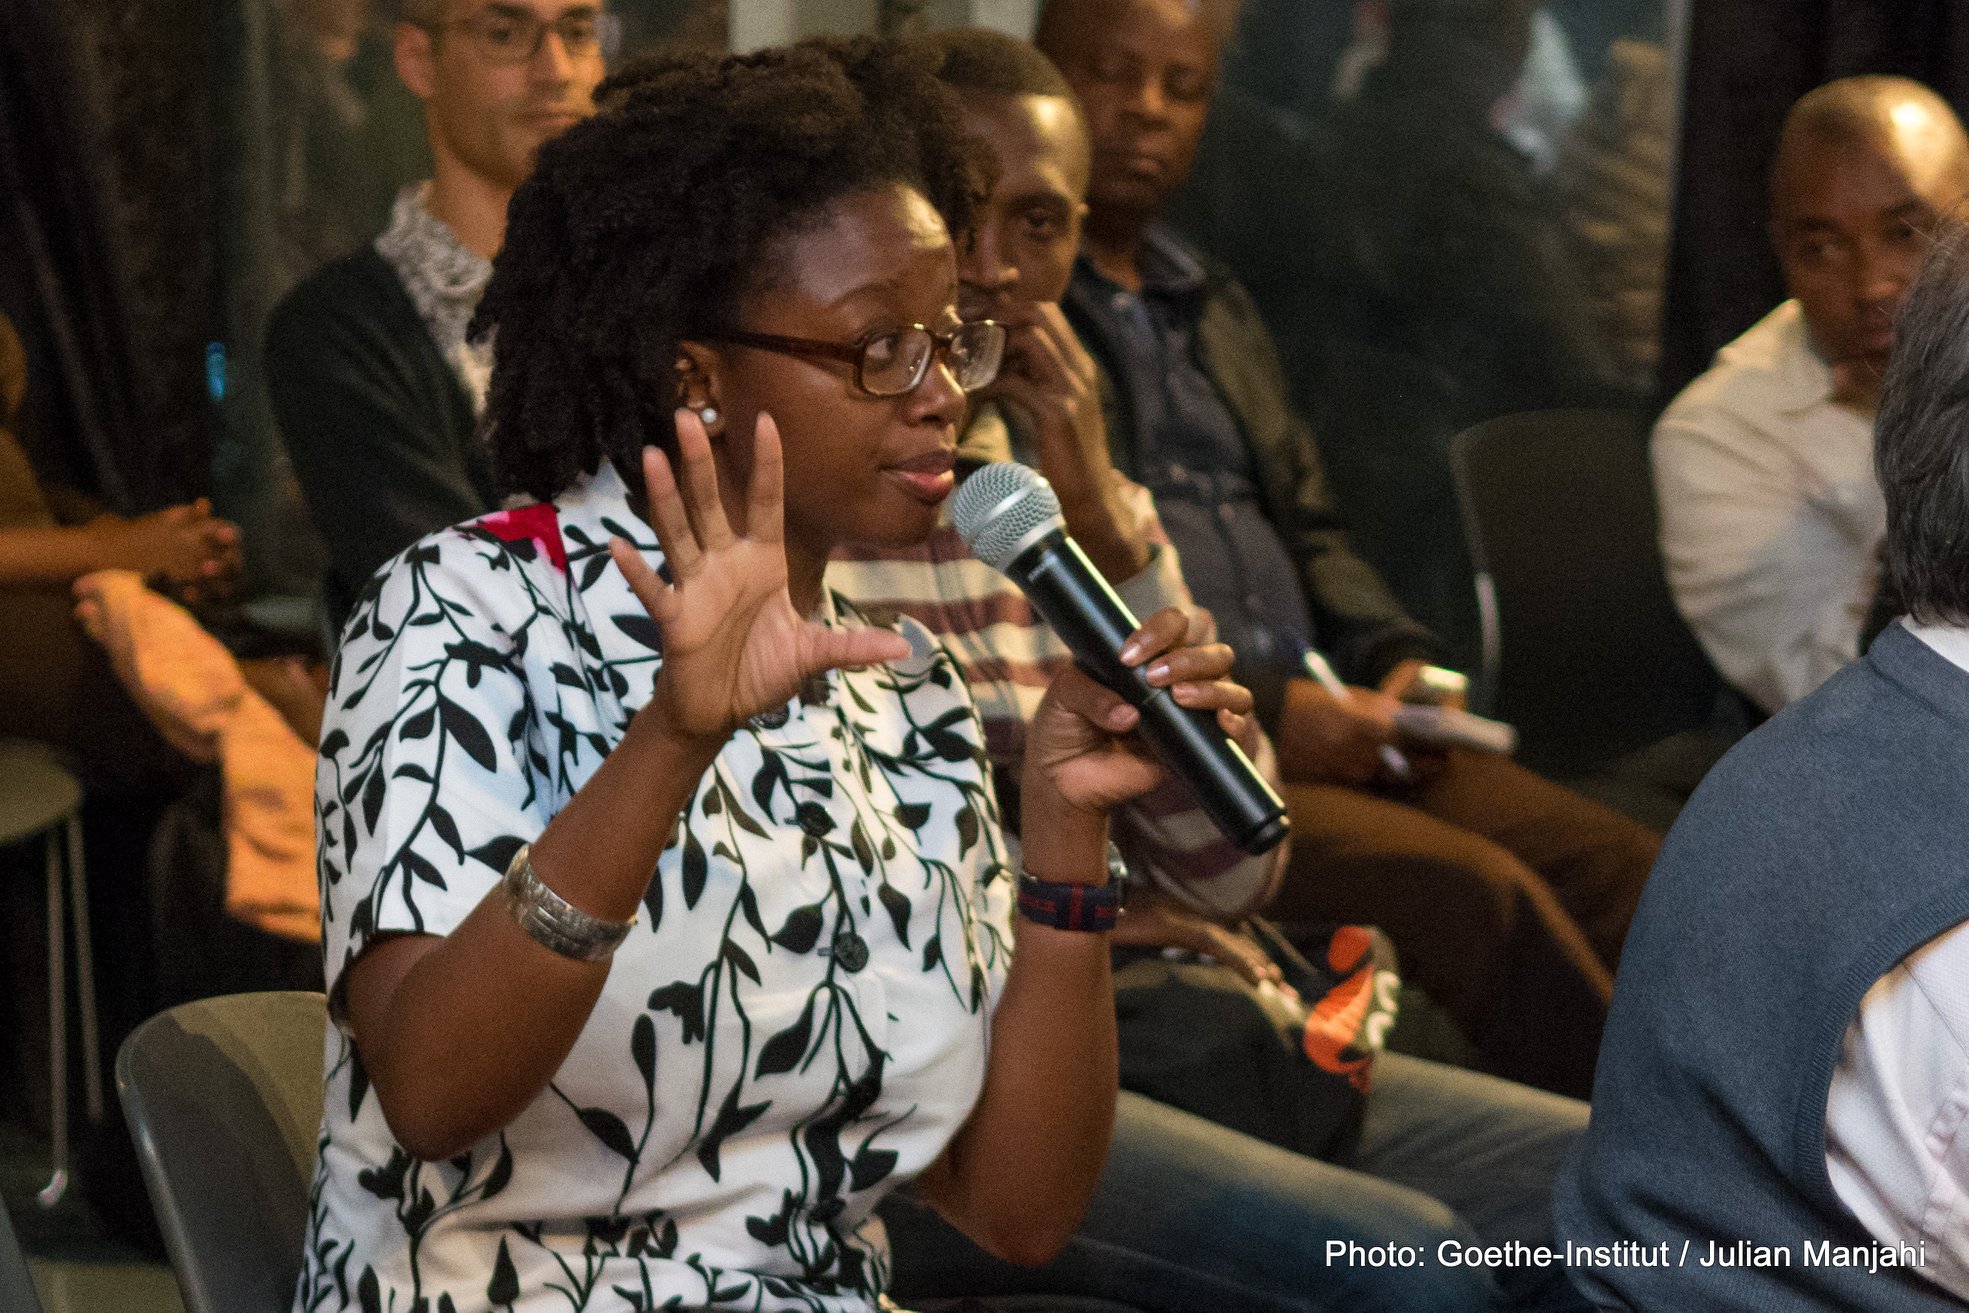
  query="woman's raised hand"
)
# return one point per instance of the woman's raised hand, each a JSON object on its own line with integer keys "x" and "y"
{"x": 733, "y": 645}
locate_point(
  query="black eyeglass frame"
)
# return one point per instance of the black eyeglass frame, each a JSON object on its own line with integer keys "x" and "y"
{"x": 856, "y": 352}
{"x": 607, "y": 29}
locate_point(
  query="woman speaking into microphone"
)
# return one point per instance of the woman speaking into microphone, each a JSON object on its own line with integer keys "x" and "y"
{"x": 667, "y": 918}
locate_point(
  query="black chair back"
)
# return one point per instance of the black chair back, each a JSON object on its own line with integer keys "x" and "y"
{"x": 224, "y": 1098}
{"x": 1583, "y": 649}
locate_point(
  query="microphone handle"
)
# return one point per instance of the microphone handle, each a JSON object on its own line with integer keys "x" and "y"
{"x": 1093, "y": 621}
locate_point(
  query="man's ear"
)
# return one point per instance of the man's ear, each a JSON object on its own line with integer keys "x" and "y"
{"x": 416, "y": 60}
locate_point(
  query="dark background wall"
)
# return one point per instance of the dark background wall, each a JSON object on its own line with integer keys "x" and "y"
{"x": 106, "y": 156}
{"x": 150, "y": 66}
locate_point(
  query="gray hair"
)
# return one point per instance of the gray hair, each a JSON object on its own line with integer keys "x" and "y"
{"x": 1921, "y": 439}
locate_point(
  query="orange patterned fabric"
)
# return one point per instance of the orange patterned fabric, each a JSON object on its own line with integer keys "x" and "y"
{"x": 1346, "y": 1026}
{"x": 191, "y": 688}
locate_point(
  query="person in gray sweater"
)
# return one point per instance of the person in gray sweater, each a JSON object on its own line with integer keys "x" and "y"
{"x": 1778, "y": 1114}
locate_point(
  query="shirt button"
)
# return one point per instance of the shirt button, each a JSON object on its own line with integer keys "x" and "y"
{"x": 1178, "y": 474}
{"x": 1225, "y": 513}
{"x": 1122, "y": 300}
{"x": 850, "y": 950}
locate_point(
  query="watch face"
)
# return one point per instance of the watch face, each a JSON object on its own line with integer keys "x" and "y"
{"x": 1118, "y": 874}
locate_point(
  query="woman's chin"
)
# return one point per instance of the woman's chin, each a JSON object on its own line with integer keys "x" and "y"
{"x": 899, "y": 522}
{"x": 895, "y": 525}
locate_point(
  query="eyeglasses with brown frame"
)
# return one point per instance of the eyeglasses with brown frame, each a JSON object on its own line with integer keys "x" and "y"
{"x": 893, "y": 362}
{"x": 508, "y": 34}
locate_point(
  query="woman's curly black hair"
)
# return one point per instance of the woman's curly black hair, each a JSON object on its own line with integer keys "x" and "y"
{"x": 647, "y": 224}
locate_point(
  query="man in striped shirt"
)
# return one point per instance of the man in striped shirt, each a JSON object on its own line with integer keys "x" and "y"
{"x": 1189, "y": 1213}
{"x": 1046, "y": 410}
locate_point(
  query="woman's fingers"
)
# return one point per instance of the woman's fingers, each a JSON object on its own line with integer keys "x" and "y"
{"x": 765, "y": 510}
{"x": 1213, "y": 695}
{"x": 1160, "y": 632}
{"x": 657, "y": 597}
{"x": 1199, "y": 663}
{"x": 1196, "y": 676}
{"x": 700, "y": 482}
{"x": 1093, "y": 702}
{"x": 1216, "y": 695}
{"x": 666, "y": 514}
{"x": 851, "y": 648}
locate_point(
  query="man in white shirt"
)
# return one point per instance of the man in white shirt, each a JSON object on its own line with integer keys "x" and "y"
{"x": 1770, "y": 515}
{"x": 1780, "y": 1108}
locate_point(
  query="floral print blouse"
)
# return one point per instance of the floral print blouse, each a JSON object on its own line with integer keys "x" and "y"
{"x": 797, "y": 1023}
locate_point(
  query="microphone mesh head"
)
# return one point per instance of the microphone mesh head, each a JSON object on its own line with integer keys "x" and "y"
{"x": 998, "y": 509}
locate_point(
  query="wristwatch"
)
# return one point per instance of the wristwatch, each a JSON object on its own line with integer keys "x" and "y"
{"x": 1065, "y": 905}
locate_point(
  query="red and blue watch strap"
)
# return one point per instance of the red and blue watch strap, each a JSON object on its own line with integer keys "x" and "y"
{"x": 1091, "y": 907}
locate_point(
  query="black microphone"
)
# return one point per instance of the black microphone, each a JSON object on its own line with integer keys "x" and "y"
{"x": 1010, "y": 518}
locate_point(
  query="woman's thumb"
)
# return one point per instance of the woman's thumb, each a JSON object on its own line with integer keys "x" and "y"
{"x": 854, "y": 648}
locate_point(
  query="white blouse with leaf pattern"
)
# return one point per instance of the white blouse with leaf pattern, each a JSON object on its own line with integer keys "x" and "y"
{"x": 797, "y": 1023}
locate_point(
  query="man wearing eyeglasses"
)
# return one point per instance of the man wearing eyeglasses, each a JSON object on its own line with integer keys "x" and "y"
{"x": 375, "y": 387}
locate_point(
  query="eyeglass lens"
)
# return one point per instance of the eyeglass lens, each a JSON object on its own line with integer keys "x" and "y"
{"x": 507, "y": 37}
{"x": 896, "y": 362}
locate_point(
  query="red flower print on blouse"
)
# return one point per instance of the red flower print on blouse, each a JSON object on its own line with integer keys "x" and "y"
{"x": 538, "y": 523}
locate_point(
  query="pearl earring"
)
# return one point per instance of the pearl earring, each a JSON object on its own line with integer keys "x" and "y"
{"x": 708, "y": 414}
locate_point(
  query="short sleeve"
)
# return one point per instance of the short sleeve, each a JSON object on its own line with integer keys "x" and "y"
{"x": 427, "y": 783}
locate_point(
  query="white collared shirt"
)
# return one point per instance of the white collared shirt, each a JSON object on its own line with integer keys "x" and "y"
{"x": 1897, "y": 1113}
{"x": 1771, "y": 517}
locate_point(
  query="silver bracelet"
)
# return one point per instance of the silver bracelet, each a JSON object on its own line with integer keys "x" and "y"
{"x": 552, "y": 921}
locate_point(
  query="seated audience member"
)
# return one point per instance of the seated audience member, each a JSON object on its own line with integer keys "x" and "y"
{"x": 1440, "y": 1153}
{"x": 1405, "y": 252}
{"x": 1453, "y": 223}
{"x": 1507, "y": 896}
{"x": 1770, "y": 516}
{"x": 681, "y": 932}
{"x": 157, "y": 926}
{"x": 376, "y": 388}
{"x": 1782, "y": 1091}
{"x": 55, "y": 685}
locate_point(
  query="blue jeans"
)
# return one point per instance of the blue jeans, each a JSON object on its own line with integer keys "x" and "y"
{"x": 1192, "y": 1218}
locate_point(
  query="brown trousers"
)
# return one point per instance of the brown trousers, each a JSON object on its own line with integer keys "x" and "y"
{"x": 1506, "y": 895}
